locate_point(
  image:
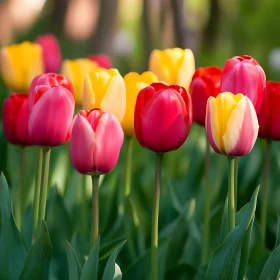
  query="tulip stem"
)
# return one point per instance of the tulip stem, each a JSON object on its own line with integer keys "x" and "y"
{"x": 128, "y": 162}
{"x": 44, "y": 185}
{"x": 265, "y": 190}
{"x": 154, "y": 249}
{"x": 95, "y": 210}
{"x": 36, "y": 198}
{"x": 231, "y": 200}
{"x": 207, "y": 207}
{"x": 235, "y": 180}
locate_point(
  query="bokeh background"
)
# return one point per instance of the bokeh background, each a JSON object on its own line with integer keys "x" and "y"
{"x": 128, "y": 30}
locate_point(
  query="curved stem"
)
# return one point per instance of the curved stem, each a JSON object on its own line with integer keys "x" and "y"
{"x": 207, "y": 208}
{"x": 231, "y": 200}
{"x": 265, "y": 190}
{"x": 154, "y": 240}
{"x": 95, "y": 210}
{"x": 128, "y": 163}
{"x": 36, "y": 198}
{"x": 235, "y": 180}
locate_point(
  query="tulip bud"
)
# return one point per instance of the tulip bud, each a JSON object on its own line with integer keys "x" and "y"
{"x": 173, "y": 66}
{"x": 102, "y": 60}
{"x": 269, "y": 114}
{"x": 244, "y": 74}
{"x": 15, "y": 116}
{"x": 134, "y": 83}
{"x": 231, "y": 124}
{"x": 51, "y": 52}
{"x": 96, "y": 141}
{"x": 51, "y": 116}
{"x": 163, "y": 117}
{"x": 76, "y": 71}
{"x": 19, "y": 64}
{"x": 105, "y": 89}
{"x": 205, "y": 83}
{"x": 49, "y": 80}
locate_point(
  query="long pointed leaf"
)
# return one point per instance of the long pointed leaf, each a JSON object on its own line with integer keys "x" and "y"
{"x": 74, "y": 267}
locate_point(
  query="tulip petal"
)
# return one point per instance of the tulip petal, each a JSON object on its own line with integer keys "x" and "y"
{"x": 82, "y": 145}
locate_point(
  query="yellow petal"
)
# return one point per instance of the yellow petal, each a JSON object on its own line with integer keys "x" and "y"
{"x": 88, "y": 94}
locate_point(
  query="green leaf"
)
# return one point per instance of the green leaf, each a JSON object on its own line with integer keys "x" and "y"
{"x": 272, "y": 266}
{"x": 225, "y": 261}
{"x": 109, "y": 271}
{"x": 38, "y": 259}
{"x": 107, "y": 249}
{"x": 277, "y": 243}
{"x": 12, "y": 251}
{"x": 225, "y": 225}
{"x": 74, "y": 267}
{"x": 90, "y": 268}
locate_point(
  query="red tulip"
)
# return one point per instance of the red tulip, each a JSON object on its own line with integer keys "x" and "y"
{"x": 163, "y": 117}
{"x": 269, "y": 114}
{"x": 49, "y": 80}
{"x": 51, "y": 116}
{"x": 96, "y": 141}
{"x": 205, "y": 83}
{"x": 102, "y": 60}
{"x": 15, "y": 117}
{"x": 51, "y": 52}
{"x": 243, "y": 74}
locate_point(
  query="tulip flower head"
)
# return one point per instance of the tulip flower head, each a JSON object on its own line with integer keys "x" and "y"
{"x": 244, "y": 74}
{"x": 51, "y": 116}
{"x": 105, "y": 89}
{"x": 269, "y": 114}
{"x": 96, "y": 141}
{"x": 15, "y": 116}
{"x": 163, "y": 117}
{"x": 173, "y": 66}
{"x": 205, "y": 83}
{"x": 231, "y": 124}
{"x": 134, "y": 83}
{"x": 76, "y": 70}
{"x": 51, "y": 52}
{"x": 20, "y": 63}
{"x": 102, "y": 60}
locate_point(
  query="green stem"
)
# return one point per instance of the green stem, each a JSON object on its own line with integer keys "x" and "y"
{"x": 231, "y": 200}
{"x": 235, "y": 180}
{"x": 207, "y": 208}
{"x": 44, "y": 185}
{"x": 84, "y": 203}
{"x": 265, "y": 190}
{"x": 154, "y": 239}
{"x": 128, "y": 161}
{"x": 19, "y": 205}
{"x": 95, "y": 210}
{"x": 36, "y": 199}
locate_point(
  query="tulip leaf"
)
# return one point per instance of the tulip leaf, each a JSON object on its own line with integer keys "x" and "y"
{"x": 74, "y": 267}
{"x": 38, "y": 259}
{"x": 107, "y": 249}
{"x": 12, "y": 251}
{"x": 110, "y": 268}
{"x": 90, "y": 268}
{"x": 226, "y": 261}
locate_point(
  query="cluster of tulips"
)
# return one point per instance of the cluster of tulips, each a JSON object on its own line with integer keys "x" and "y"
{"x": 235, "y": 104}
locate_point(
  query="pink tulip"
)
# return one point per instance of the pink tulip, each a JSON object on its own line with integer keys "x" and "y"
{"x": 51, "y": 116}
{"x": 96, "y": 141}
{"x": 51, "y": 52}
{"x": 102, "y": 60}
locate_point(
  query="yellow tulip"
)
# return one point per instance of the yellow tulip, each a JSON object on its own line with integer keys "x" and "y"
{"x": 20, "y": 63}
{"x": 105, "y": 89}
{"x": 173, "y": 66}
{"x": 134, "y": 82}
{"x": 76, "y": 70}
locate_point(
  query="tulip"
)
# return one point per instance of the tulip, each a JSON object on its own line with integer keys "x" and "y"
{"x": 102, "y": 60}
{"x": 19, "y": 64}
{"x": 243, "y": 74}
{"x": 134, "y": 83}
{"x": 49, "y": 80}
{"x": 76, "y": 70}
{"x": 231, "y": 124}
{"x": 51, "y": 116}
{"x": 163, "y": 117}
{"x": 15, "y": 116}
{"x": 205, "y": 83}
{"x": 51, "y": 52}
{"x": 105, "y": 89}
{"x": 173, "y": 66}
